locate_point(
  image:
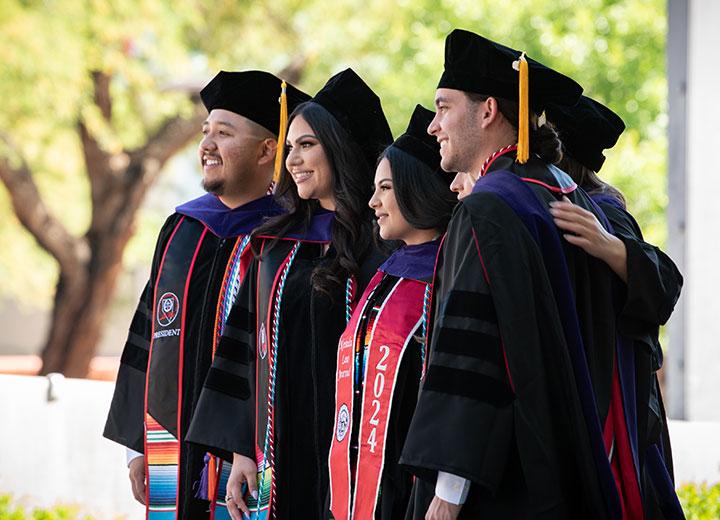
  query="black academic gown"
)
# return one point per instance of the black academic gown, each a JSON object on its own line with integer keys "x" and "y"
{"x": 521, "y": 358}
{"x": 647, "y": 300}
{"x": 125, "y": 423}
{"x": 310, "y": 324}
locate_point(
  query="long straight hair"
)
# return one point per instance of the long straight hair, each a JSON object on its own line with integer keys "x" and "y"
{"x": 351, "y": 184}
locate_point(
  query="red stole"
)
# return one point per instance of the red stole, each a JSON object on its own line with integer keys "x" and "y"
{"x": 396, "y": 322}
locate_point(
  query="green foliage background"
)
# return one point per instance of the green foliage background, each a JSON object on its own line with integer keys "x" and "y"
{"x": 615, "y": 49}
{"x": 700, "y": 501}
{"x": 10, "y": 509}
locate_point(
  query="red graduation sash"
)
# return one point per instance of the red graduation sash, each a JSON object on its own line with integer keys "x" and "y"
{"x": 393, "y": 328}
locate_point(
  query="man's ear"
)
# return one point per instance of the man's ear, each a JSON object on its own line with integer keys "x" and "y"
{"x": 268, "y": 149}
{"x": 488, "y": 112}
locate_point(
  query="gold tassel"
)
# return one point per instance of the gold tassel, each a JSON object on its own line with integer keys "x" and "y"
{"x": 280, "y": 153}
{"x": 523, "y": 151}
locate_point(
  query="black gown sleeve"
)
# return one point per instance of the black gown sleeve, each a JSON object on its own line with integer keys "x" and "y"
{"x": 463, "y": 423}
{"x": 654, "y": 282}
{"x": 224, "y": 419}
{"x": 653, "y": 288}
{"x": 125, "y": 421}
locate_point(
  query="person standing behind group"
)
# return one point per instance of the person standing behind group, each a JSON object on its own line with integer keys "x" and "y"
{"x": 199, "y": 262}
{"x": 267, "y": 401}
{"x": 381, "y": 354}
{"x": 652, "y": 285}
{"x": 506, "y": 421}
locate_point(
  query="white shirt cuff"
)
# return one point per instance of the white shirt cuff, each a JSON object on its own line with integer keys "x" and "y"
{"x": 132, "y": 455}
{"x": 451, "y": 488}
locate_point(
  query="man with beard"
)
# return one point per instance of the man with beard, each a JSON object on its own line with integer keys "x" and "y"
{"x": 200, "y": 259}
{"x": 508, "y": 422}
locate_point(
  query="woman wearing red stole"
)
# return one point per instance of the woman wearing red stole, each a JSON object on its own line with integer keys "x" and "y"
{"x": 381, "y": 354}
{"x": 267, "y": 400}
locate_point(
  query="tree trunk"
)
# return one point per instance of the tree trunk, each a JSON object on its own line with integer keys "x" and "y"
{"x": 81, "y": 310}
{"x": 84, "y": 291}
{"x": 70, "y": 293}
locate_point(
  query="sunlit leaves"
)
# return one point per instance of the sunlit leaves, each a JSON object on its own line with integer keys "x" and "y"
{"x": 156, "y": 51}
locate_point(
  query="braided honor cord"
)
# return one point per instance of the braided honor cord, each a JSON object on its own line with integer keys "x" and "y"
{"x": 348, "y": 299}
{"x": 269, "y": 433}
{"x": 233, "y": 283}
{"x": 425, "y": 339}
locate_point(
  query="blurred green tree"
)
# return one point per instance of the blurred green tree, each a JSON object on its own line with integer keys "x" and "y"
{"x": 97, "y": 96}
{"x": 94, "y": 106}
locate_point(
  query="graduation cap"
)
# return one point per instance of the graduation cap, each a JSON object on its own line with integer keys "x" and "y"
{"x": 253, "y": 94}
{"x": 358, "y": 110}
{"x": 475, "y": 64}
{"x": 258, "y": 96}
{"x": 586, "y": 129}
{"x": 421, "y": 145}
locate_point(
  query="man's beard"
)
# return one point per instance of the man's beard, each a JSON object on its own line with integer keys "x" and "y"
{"x": 462, "y": 159}
{"x": 215, "y": 186}
{"x": 464, "y": 149}
{"x": 453, "y": 163}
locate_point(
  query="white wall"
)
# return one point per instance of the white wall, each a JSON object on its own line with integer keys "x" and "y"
{"x": 696, "y": 452}
{"x": 54, "y": 452}
{"x": 702, "y": 286}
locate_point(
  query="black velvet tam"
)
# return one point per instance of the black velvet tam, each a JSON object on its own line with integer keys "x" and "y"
{"x": 358, "y": 110}
{"x": 253, "y": 94}
{"x": 417, "y": 142}
{"x": 586, "y": 129}
{"x": 475, "y": 64}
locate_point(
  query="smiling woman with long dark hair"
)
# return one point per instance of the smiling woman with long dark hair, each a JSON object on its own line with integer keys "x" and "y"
{"x": 322, "y": 147}
{"x": 267, "y": 402}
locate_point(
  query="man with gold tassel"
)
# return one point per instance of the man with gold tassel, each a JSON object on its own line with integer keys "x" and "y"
{"x": 523, "y": 331}
{"x": 200, "y": 259}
